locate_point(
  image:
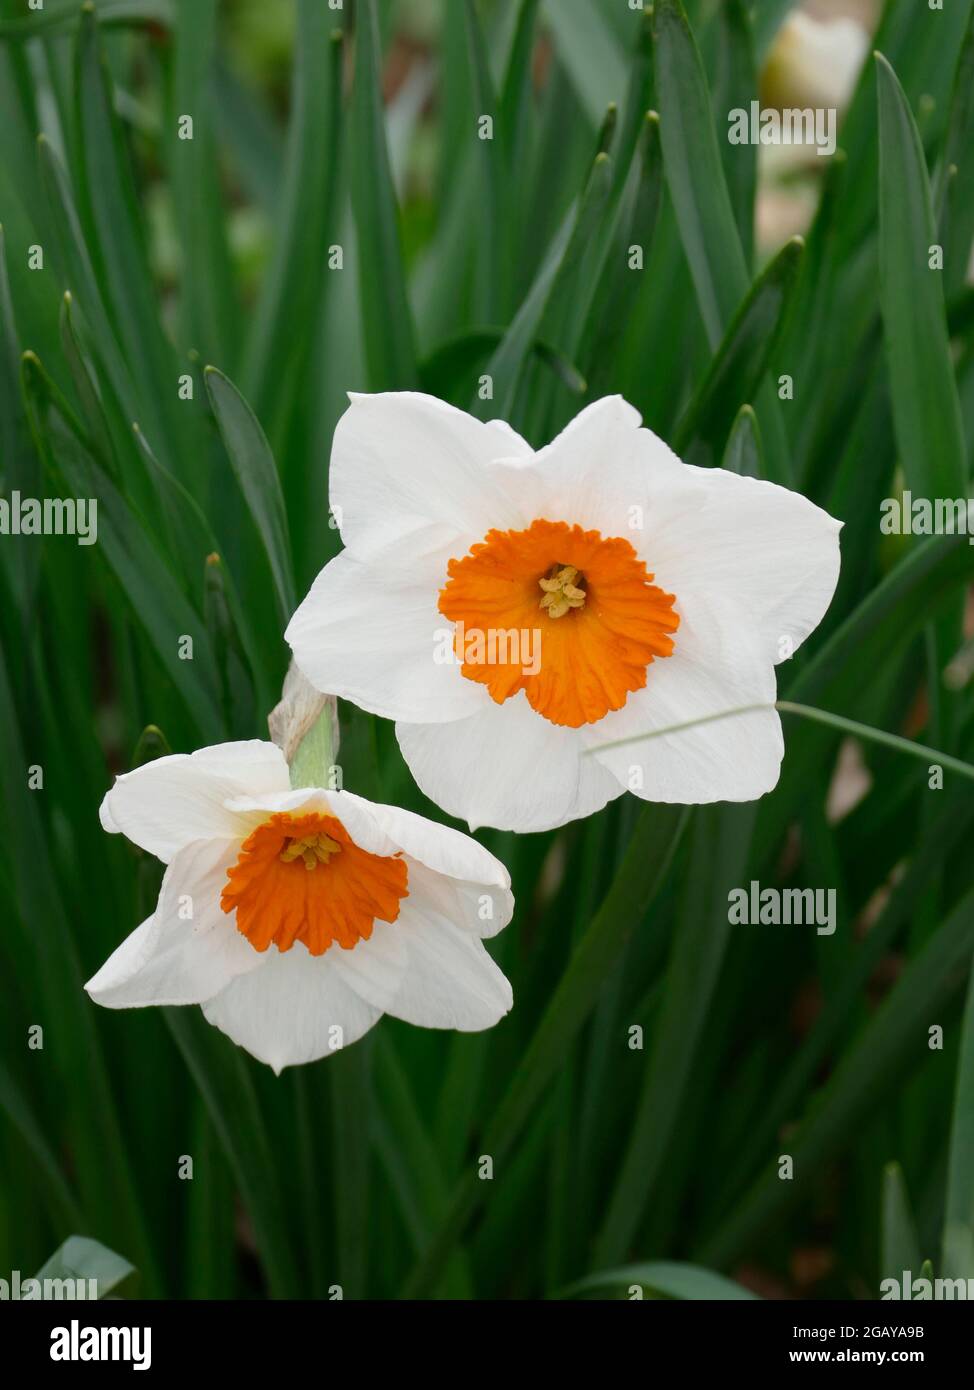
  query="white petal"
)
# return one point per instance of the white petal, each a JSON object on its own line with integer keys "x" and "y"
{"x": 373, "y": 635}
{"x": 296, "y": 1008}
{"x": 409, "y": 479}
{"x": 374, "y": 969}
{"x": 507, "y": 767}
{"x": 713, "y": 669}
{"x": 484, "y": 909}
{"x": 604, "y": 473}
{"x": 175, "y": 800}
{"x": 441, "y": 848}
{"x": 450, "y": 981}
{"x": 514, "y": 444}
{"x": 418, "y": 958}
{"x": 170, "y": 960}
{"x": 768, "y": 554}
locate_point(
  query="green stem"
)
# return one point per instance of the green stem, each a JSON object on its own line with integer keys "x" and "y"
{"x": 818, "y": 716}
{"x": 315, "y": 755}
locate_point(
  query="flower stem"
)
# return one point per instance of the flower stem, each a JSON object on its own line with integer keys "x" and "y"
{"x": 818, "y": 716}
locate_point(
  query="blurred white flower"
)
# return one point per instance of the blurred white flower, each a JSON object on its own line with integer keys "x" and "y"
{"x": 596, "y": 590}
{"x": 296, "y": 918}
{"x": 814, "y": 63}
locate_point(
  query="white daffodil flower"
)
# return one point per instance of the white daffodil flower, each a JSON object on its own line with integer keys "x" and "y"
{"x": 297, "y": 918}
{"x": 814, "y": 63}
{"x": 513, "y": 611}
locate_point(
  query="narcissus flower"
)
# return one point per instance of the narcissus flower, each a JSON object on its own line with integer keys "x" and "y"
{"x": 814, "y": 63}
{"x": 296, "y": 918}
{"x": 514, "y": 611}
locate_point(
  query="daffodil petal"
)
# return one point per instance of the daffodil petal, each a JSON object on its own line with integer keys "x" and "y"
{"x": 375, "y": 636}
{"x": 175, "y": 800}
{"x": 768, "y": 556}
{"x": 442, "y": 849}
{"x": 733, "y": 759}
{"x": 513, "y": 444}
{"x": 603, "y": 472}
{"x": 409, "y": 481}
{"x": 481, "y": 908}
{"x": 449, "y": 980}
{"x": 507, "y": 767}
{"x": 296, "y": 1008}
{"x": 428, "y": 967}
{"x": 189, "y": 949}
{"x": 374, "y": 968}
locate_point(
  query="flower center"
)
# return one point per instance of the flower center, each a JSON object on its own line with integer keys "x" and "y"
{"x": 564, "y": 589}
{"x": 312, "y": 849}
{"x": 302, "y": 878}
{"x": 573, "y": 672}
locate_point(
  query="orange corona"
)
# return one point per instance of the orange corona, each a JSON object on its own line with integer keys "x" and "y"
{"x": 302, "y": 878}
{"x": 601, "y": 619}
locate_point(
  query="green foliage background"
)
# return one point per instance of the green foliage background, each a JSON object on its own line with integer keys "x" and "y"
{"x": 165, "y": 256}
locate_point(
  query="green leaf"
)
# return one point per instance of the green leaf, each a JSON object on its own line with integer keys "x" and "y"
{"x": 152, "y": 744}
{"x": 516, "y": 97}
{"x": 891, "y": 1043}
{"x": 639, "y": 102}
{"x": 59, "y": 15}
{"x": 704, "y": 212}
{"x": 350, "y": 1079}
{"x": 118, "y": 251}
{"x": 768, "y": 19}
{"x": 412, "y": 1162}
{"x": 945, "y": 834}
{"x": 958, "y": 1238}
{"x": 87, "y": 390}
{"x": 721, "y": 836}
{"x": 390, "y": 348}
{"x": 256, "y": 472}
{"x": 220, "y": 1073}
{"x": 741, "y": 361}
{"x": 199, "y": 546}
{"x": 736, "y": 85}
{"x": 156, "y": 601}
{"x": 494, "y": 173}
{"x": 552, "y": 281}
{"x": 640, "y": 876}
{"x": 743, "y": 453}
{"x": 452, "y": 369}
{"x": 73, "y": 260}
{"x": 662, "y": 1279}
{"x": 20, "y": 1115}
{"x": 221, "y": 610}
{"x": 954, "y": 198}
{"x": 590, "y": 52}
{"x": 926, "y": 410}
{"x": 610, "y": 313}
{"x": 105, "y": 1177}
{"x": 306, "y": 221}
{"x": 81, "y": 1258}
{"x": 694, "y": 171}
{"x": 841, "y": 672}
{"x": 208, "y": 307}
{"x": 251, "y": 135}
{"x": 900, "y": 1250}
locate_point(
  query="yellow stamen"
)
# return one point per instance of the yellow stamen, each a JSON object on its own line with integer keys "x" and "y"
{"x": 561, "y": 593}
{"x": 313, "y": 849}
